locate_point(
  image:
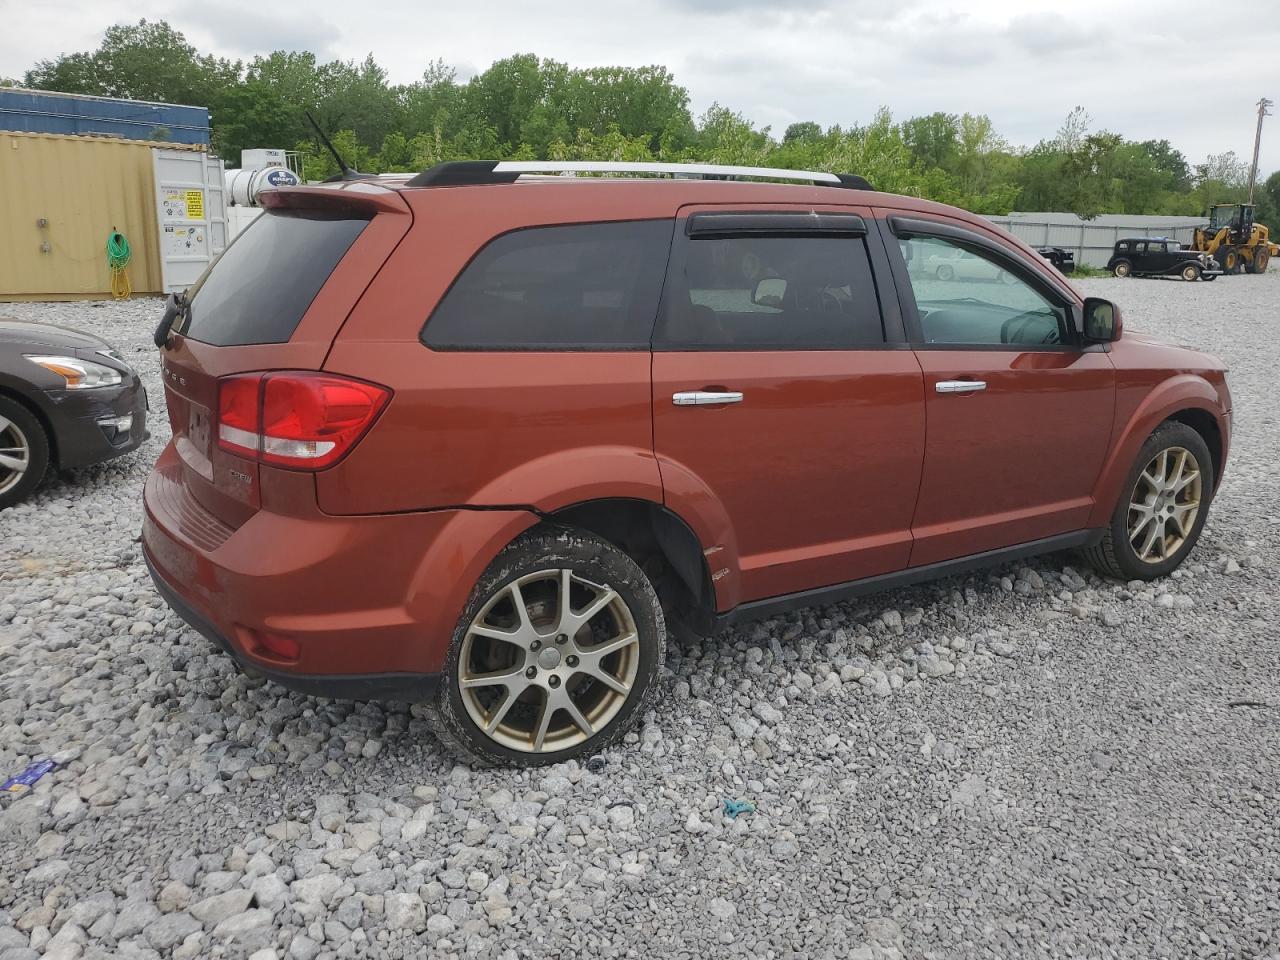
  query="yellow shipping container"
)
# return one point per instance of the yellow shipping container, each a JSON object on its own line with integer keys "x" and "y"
{"x": 60, "y": 199}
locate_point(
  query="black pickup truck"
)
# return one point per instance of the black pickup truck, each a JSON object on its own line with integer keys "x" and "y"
{"x": 1064, "y": 260}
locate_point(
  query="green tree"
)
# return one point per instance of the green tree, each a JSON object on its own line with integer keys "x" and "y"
{"x": 805, "y": 131}
{"x": 934, "y": 141}
{"x": 144, "y": 61}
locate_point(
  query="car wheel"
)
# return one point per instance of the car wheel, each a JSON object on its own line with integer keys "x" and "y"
{"x": 1166, "y": 500}
{"x": 555, "y": 656}
{"x": 1209, "y": 276}
{"x": 946, "y": 272}
{"x": 1190, "y": 272}
{"x": 1122, "y": 268}
{"x": 24, "y": 452}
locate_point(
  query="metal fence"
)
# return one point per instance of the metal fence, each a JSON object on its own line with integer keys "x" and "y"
{"x": 1093, "y": 241}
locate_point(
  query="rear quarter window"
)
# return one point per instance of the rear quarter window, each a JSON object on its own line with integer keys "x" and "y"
{"x": 590, "y": 286}
{"x": 261, "y": 286}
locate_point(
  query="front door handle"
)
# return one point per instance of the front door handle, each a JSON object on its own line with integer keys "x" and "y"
{"x": 702, "y": 398}
{"x": 960, "y": 386}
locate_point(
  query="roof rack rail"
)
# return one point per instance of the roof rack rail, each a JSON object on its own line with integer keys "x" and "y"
{"x": 471, "y": 172}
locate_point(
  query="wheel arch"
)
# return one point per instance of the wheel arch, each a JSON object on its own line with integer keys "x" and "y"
{"x": 660, "y": 541}
{"x": 1187, "y": 398}
{"x": 1205, "y": 423}
{"x": 33, "y": 408}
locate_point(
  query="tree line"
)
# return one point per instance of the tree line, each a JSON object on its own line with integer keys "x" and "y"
{"x": 524, "y": 107}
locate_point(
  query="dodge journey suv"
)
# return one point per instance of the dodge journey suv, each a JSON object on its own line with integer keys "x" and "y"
{"x": 480, "y": 437}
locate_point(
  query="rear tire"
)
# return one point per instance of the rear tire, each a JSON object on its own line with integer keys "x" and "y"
{"x": 548, "y": 663}
{"x": 1261, "y": 260}
{"x": 1122, "y": 269}
{"x": 1125, "y": 552}
{"x": 24, "y": 452}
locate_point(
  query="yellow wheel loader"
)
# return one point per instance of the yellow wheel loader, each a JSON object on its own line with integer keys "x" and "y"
{"x": 1235, "y": 240}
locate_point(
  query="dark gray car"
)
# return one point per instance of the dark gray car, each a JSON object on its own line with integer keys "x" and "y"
{"x": 66, "y": 400}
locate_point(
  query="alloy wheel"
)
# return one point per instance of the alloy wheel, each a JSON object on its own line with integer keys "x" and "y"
{"x": 15, "y": 454}
{"x": 1164, "y": 505}
{"x": 549, "y": 661}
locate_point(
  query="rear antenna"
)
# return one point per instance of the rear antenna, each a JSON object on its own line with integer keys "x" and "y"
{"x": 346, "y": 172}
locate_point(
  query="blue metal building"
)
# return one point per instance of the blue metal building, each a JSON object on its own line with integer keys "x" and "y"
{"x": 41, "y": 111}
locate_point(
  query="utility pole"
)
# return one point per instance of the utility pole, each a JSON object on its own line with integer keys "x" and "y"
{"x": 1263, "y": 111}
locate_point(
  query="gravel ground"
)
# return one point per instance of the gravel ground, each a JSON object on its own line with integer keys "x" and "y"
{"x": 1032, "y": 762}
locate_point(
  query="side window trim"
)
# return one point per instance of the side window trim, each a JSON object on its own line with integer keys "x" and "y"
{"x": 853, "y": 226}
{"x": 896, "y": 226}
{"x": 773, "y": 223}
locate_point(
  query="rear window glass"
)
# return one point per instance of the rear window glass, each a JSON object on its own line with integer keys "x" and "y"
{"x": 259, "y": 289}
{"x": 591, "y": 286}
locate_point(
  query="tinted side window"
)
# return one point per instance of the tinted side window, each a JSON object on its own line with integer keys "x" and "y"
{"x": 975, "y": 299}
{"x": 259, "y": 289}
{"x": 592, "y": 286}
{"x": 771, "y": 293}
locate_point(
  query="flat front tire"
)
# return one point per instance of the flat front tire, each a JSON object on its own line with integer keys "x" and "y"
{"x": 1162, "y": 508}
{"x": 556, "y": 655}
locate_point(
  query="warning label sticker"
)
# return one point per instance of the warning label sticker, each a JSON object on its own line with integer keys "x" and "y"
{"x": 183, "y": 241}
{"x": 182, "y": 204}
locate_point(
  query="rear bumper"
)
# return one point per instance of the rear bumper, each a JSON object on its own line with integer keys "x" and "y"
{"x": 370, "y": 603}
{"x": 373, "y": 686}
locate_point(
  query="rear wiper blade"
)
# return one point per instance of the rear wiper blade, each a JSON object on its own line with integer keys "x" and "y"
{"x": 174, "y": 307}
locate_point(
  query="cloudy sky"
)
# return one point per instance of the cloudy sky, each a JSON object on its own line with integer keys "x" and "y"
{"x": 1143, "y": 68}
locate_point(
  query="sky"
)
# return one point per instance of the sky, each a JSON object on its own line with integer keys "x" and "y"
{"x": 1145, "y": 69}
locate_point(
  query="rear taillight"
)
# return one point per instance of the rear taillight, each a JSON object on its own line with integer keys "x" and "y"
{"x": 302, "y": 420}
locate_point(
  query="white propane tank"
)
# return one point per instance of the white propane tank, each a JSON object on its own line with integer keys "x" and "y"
{"x": 245, "y": 185}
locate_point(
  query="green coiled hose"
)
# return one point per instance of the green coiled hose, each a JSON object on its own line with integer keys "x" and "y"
{"x": 118, "y": 256}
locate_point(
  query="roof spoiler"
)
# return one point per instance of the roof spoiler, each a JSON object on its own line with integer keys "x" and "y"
{"x": 477, "y": 172}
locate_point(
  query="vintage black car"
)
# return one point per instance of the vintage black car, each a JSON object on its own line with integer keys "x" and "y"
{"x": 1161, "y": 257}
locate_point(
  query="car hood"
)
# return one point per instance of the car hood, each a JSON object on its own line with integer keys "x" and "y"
{"x": 25, "y": 334}
{"x": 1193, "y": 358}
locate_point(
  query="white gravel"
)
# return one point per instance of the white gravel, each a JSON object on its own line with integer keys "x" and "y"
{"x": 1027, "y": 763}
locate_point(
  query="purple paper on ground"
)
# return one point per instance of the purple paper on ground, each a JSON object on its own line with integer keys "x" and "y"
{"x": 27, "y": 778}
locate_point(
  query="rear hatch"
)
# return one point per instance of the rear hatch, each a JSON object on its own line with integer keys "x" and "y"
{"x": 273, "y": 301}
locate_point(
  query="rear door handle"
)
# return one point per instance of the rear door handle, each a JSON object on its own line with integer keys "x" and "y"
{"x": 960, "y": 386}
{"x": 703, "y": 398}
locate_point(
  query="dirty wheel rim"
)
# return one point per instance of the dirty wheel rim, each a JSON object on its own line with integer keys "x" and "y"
{"x": 1122, "y": 270}
{"x": 1164, "y": 505}
{"x": 1190, "y": 273}
{"x": 549, "y": 661}
{"x": 15, "y": 454}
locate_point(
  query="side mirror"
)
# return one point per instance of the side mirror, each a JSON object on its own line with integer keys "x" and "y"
{"x": 769, "y": 292}
{"x": 1102, "y": 323}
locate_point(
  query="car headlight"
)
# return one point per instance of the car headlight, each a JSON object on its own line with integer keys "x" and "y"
{"x": 79, "y": 374}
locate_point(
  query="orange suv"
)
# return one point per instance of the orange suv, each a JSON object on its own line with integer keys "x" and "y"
{"x": 478, "y": 438}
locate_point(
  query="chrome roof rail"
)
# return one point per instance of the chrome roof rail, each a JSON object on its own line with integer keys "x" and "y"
{"x": 471, "y": 172}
